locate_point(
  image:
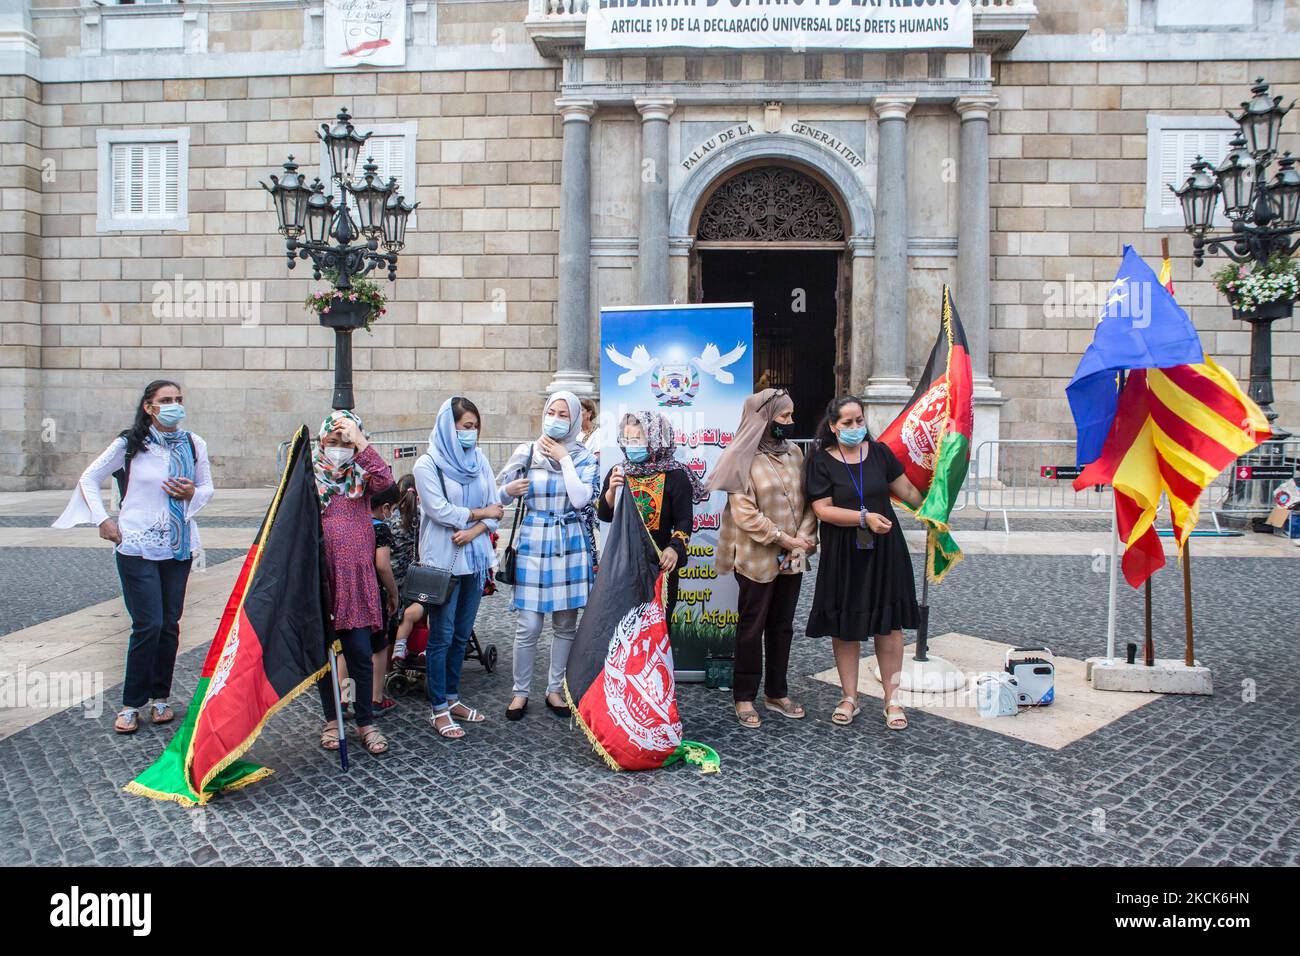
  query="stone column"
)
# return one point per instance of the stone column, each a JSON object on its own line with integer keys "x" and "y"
{"x": 573, "y": 318}
{"x": 972, "y": 292}
{"x": 887, "y": 388}
{"x": 652, "y": 233}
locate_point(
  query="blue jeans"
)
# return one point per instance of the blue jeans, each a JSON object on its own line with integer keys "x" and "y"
{"x": 154, "y": 593}
{"x": 356, "y": 651}
{"x": 449, "y": 628}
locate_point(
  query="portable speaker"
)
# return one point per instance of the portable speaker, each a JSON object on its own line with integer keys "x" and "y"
{"x": 1035, "y": 676}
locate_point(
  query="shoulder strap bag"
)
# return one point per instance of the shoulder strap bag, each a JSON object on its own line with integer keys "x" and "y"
{"x": 430, "y": 586}
{"x": 505, "y": 572}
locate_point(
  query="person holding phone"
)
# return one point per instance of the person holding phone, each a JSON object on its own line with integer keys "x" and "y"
{"x": 555, "y": 476}
{"x": 165, "y": 480}
{"x": 864, "y": 580}
{"x": 766, "y": 536}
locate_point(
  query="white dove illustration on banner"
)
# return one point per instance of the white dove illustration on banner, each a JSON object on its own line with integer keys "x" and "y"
{"x": 675, "y": 384}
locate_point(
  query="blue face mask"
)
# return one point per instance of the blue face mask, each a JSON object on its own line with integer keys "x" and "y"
{"x": 467, "y": 437}
{"x": 637, "y": 452}
{"x": 852, "y": 437}
{"x": 171, "y": 415}
{"x": 554, "y": 427}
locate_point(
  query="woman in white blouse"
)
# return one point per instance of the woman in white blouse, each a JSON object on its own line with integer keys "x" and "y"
{"x": 165, "y": 480}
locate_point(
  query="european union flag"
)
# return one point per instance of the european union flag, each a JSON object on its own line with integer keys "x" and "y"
{"x": 1141, "y": 326}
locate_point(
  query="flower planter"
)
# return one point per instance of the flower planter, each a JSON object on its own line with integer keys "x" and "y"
{"x": 1280, "y": 309}
{"x": 345, "y": 315}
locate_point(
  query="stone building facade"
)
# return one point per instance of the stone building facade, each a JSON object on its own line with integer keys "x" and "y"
{"x": 553, "y": 182}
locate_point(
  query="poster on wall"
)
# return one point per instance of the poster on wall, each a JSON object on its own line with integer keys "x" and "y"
{"x": 365, "y": 32}
{"x": 693, "y": 364}
{"x": 795, "y": 25}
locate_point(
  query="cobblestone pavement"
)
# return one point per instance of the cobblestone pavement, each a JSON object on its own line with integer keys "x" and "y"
{"x": 1182, "y": 781}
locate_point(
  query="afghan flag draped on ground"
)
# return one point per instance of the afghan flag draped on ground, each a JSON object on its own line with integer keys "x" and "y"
{"x": 931, "y": 437}
{"x": 619, "y": 682}
{"x": 269, "y": 648}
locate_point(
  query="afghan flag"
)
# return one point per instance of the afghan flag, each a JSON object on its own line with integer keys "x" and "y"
{"x": 932, "y": 437}
{"x": 619, "y": 683}
{"x": 269, "y": 648}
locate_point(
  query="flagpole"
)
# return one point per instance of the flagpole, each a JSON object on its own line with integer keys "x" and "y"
{"x": 1148, "y": 645}
{"x": 1190, "y": 656}
{"x": 338, "y": 707}
{"x": 1113, "y": 594}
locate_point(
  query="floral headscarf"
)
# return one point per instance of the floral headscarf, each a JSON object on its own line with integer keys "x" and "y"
{"x": 348, "y": 480}
{"x": 661, "y": 444}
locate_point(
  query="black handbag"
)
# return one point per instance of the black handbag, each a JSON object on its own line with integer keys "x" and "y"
{"x": 426, "y": 585}
{"x": 505, "y": 572}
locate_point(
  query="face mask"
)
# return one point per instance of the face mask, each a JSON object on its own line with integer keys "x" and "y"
{"x": 339, "y": 456}
{"x": 467, "y": 437}
{"x": 780, "y": 430}
{"x": 555, "y": 427}
{"x": 171, "y": 415}
{"x": 852, "y": 437}
{"x": 637, "y": 452}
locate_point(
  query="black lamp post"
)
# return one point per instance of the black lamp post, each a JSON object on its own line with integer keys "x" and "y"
{"x": 315, "y": 227}
{"x": 1263, "y": 216}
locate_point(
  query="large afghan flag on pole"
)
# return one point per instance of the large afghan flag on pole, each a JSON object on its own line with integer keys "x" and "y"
{"x": 931, "y": 437}
{"x": 268, "y": 649}
{"x": 619, "y": 681}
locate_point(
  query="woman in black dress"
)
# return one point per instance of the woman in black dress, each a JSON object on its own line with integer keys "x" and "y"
{"x": 864, "y": 581}
{"x": 664, "y": 489}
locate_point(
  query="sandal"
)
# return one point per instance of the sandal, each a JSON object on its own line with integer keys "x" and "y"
{"x": 163, "y": 714}
{"x": 452, "y": 730}
{"x": 373, "y": 740}
{"x": 748, "y": 718}
{"x": 785, "y": 707}
{"x": 470, "y": 715}
{"x": 128, "y": 721}
{"x": 329, "y": 736}
{"x": 898, "y": 722}
{"x": 384, "y": 704}
{"x": 843, "y": 716}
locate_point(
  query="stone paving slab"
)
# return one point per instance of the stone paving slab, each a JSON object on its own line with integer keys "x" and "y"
{"x": 1203, "y": 781}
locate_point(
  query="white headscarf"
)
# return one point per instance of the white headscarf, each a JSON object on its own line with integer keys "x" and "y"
{"x": 571, "y": 440}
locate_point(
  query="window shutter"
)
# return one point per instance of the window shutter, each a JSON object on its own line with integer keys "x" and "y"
{"x": 146, "y": 180}
{"x": 389, "y": 153}
{"x": 1179, "y": 149}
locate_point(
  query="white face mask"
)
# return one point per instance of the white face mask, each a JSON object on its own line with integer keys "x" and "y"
{"x": 339, "y": 456}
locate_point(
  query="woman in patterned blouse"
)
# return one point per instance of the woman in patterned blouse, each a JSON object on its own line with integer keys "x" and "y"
{"x": 665, "y": 491}
{"x": 556, "y": 478}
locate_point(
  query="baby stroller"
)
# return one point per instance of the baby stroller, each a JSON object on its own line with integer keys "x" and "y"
{"x": 408, "y": 677}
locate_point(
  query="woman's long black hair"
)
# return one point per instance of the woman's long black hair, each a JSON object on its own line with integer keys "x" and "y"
{"x": 137, "y": 436}
{"x": 825, "y": 438}
{"x": 408, "y": 505}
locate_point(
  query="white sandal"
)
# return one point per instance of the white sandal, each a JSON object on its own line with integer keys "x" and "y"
{"x": 842, "y": 717}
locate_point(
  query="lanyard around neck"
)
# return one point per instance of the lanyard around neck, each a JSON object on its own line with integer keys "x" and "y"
{"x": 859, "y": 485}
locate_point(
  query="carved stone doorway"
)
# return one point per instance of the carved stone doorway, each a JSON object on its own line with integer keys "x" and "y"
{"x": 775, "y": 235}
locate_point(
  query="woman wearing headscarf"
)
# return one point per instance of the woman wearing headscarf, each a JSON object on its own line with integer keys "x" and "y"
{"x": 165, "y": 480}
{"x": 348, "y": 471}
{"x": 556, "y": 478}
{"x": 664, "y": 490}
{"x": 459, "y": 511}
{"x": 767, "y": 534}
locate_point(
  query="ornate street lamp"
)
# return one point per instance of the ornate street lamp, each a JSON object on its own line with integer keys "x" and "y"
{"x": 323, "y": 223}
{"x": 1263, "y": 214}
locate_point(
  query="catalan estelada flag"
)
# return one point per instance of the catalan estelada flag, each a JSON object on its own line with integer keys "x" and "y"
{"x": 931, "y": 437}
{"x": 619, "y": 683}
{"x": 1174, "y": 431}
{"x": 269, "y": 648}
{"x": 1141, "y": 326}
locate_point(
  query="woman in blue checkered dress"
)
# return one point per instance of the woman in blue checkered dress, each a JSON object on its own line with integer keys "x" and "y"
{"x": 556, "y": 477}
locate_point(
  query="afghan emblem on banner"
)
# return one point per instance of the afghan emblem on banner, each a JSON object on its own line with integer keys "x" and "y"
{"x": 675, "y": 386}
{"x": 921, "y": 426}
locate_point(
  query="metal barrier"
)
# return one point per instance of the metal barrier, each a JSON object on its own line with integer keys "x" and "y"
{"x": 1253, "y": 478}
